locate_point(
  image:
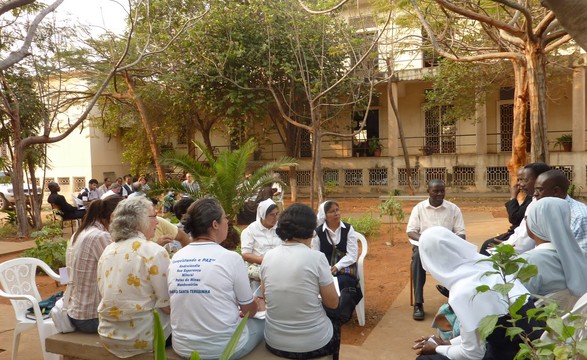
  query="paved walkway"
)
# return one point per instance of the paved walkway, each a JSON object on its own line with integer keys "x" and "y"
{"x": 390, "y": 339}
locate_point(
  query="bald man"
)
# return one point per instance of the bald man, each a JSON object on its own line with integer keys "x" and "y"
{"x": 554, "y": 183}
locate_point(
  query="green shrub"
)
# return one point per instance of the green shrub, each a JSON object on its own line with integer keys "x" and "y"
{"x": 49, "y": 247}
{"x": 366, "y": 224}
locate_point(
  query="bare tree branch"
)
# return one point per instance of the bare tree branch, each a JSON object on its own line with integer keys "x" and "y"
{"x": 540, "y": 29}
{"x": 564, "y": 39}
{"x": 18, "y": 55}
{"x": 524, "y": 12}
{"x": 317, "y": 12}
{"x": 11, "y": 5}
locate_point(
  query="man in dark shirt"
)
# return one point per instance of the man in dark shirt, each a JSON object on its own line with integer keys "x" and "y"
{"x": 59, "y": 202}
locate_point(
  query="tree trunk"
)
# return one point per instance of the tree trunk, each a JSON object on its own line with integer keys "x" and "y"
{"x": 147, "y": 125}
{"x": 519, "y": 138}
{"x": 537, "y": 96}
{"x": 17, "y": 187}
{"x": 34, "y": 201}
{"x": 399, "y": 127}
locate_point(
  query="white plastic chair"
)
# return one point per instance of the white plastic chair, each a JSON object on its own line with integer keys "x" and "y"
{"x": 360, "y": 308}
{"x": 580, "y": 324}
{"x": 17, "y": 278}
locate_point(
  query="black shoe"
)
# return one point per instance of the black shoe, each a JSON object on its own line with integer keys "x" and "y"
{"x": 418, "y": 312}
{"x": 441, "y": 289}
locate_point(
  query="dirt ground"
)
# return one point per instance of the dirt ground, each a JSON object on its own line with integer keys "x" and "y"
{"x": 386, "y": 266}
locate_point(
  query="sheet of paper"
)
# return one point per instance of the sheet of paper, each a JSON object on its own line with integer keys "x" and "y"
{"x": 64, "y": 276}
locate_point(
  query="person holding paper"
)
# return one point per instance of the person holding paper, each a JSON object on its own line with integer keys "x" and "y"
{"x": 83, "y": 252}
{"x": 297, "y": 285}
{"x": 435, "y": 211}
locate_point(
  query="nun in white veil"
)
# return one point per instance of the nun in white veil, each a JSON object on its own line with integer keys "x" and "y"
{"x": 561, "y": 262}
{"x": 454, "y": 263}
{"x": 260, "y": 237}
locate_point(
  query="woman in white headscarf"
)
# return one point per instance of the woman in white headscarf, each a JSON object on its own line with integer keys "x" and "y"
{"x": 260, "y": 237}
{"x": 560, "y": 261}
{"x": 338, "y": 241}
{"x": 454, "y": 263}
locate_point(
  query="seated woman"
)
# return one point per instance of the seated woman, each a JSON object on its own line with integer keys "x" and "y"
{"x": 83, "y": 252}
{"x": 132, "y": 278}
{"x": 209, "y": 287}
{"x": 337, "y": 240}
{"x": 294, "y": 277}
{"x": 260, "y": 237}
{"x": 560, "y": 261}
{"x": 454, "y": 263}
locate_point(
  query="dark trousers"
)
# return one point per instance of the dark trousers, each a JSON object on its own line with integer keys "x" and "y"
{"x": 418, "y": 276}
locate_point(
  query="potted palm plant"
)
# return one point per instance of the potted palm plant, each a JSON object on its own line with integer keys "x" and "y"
{"x": 565, "y": 141}
{"x": 375, "y": 146}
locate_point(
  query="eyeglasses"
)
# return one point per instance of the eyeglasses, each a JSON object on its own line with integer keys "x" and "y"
{"x": 335, "y": 211}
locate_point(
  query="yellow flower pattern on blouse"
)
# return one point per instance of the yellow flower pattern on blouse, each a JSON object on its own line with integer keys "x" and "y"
{"x": 154, "y": 270}
{"x": 133, "y": 281}
{"x": 136, "y": 245}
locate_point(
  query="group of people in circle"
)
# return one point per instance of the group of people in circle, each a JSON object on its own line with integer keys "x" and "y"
{"x": 287, "y": 279}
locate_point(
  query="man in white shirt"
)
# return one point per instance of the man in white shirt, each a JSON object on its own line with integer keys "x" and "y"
{"x": 428, "y": 213}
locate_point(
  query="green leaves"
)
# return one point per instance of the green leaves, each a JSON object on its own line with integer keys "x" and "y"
{"x": 158, "y": 337}
{"x": 233, "y": 342}
{"x": 487, "y": 325}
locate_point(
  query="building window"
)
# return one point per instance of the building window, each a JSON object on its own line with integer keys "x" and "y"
{"x": 305, "y": 143}
{"x": 370, "y": 130}
{"x": 497, "y": 175}
{"x": 435, "y": 173}
{"x": 63, "y": 181}
{"x": 47, "y": 181}
{"x": 402, "y": 177}
{"x": 284, "y": 176}
{"x": 330, "y": 177}
{"x": 378, "y": 176}
{"x": 440, "y": 135}
{"x": 303, "y": 177}
{"x": 464, "y": 175}
{"x": 566, "y": 169}
{"x": 353, "y": 177}
{"x": 79, "y": 183}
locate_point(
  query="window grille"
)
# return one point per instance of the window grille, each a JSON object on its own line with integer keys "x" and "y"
{"x": 435, "y": 173}
{"x": 330, "y": 176}
{"x": 284, "y": 176}
{"x": 566, "y": 169}
{"x": 47, "y": 181}
{"x": 464, "y": 175}
{"x": 402, "y": 177}
{"x": 353, "y": 177}
{"x": 498, "y": 175}
{"x": 506, "y": 126}
{"x": 303, "y": 177}
{"x": 378, "y": 176}
{"x": 440, "y": 134}
{"x": 79, "y": 183}
{"x": 63, "y": 181}
{"x": 305, "y": 144}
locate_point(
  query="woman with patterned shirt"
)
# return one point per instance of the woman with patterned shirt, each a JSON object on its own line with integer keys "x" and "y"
{"x": 83, "y": 252}
{"x": 132, "y": 278}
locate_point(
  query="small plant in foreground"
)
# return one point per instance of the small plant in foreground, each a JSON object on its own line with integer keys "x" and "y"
{"x": 564, "y": 330}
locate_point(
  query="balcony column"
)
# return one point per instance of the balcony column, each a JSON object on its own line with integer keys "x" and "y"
{"x": 393, "y": 143}
{"x": 579, "y": 104}
{"x": 481, "y": 127}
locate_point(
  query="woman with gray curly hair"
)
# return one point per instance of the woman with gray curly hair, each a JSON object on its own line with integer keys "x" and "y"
{"x": 132, "y": 278}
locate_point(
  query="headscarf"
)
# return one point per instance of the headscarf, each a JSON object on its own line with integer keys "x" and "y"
{"x": 454, "y": 262}
{"x": 321, "y": 217}
{"x": 262, "y": 209}
{"x": 550, "y": 220}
